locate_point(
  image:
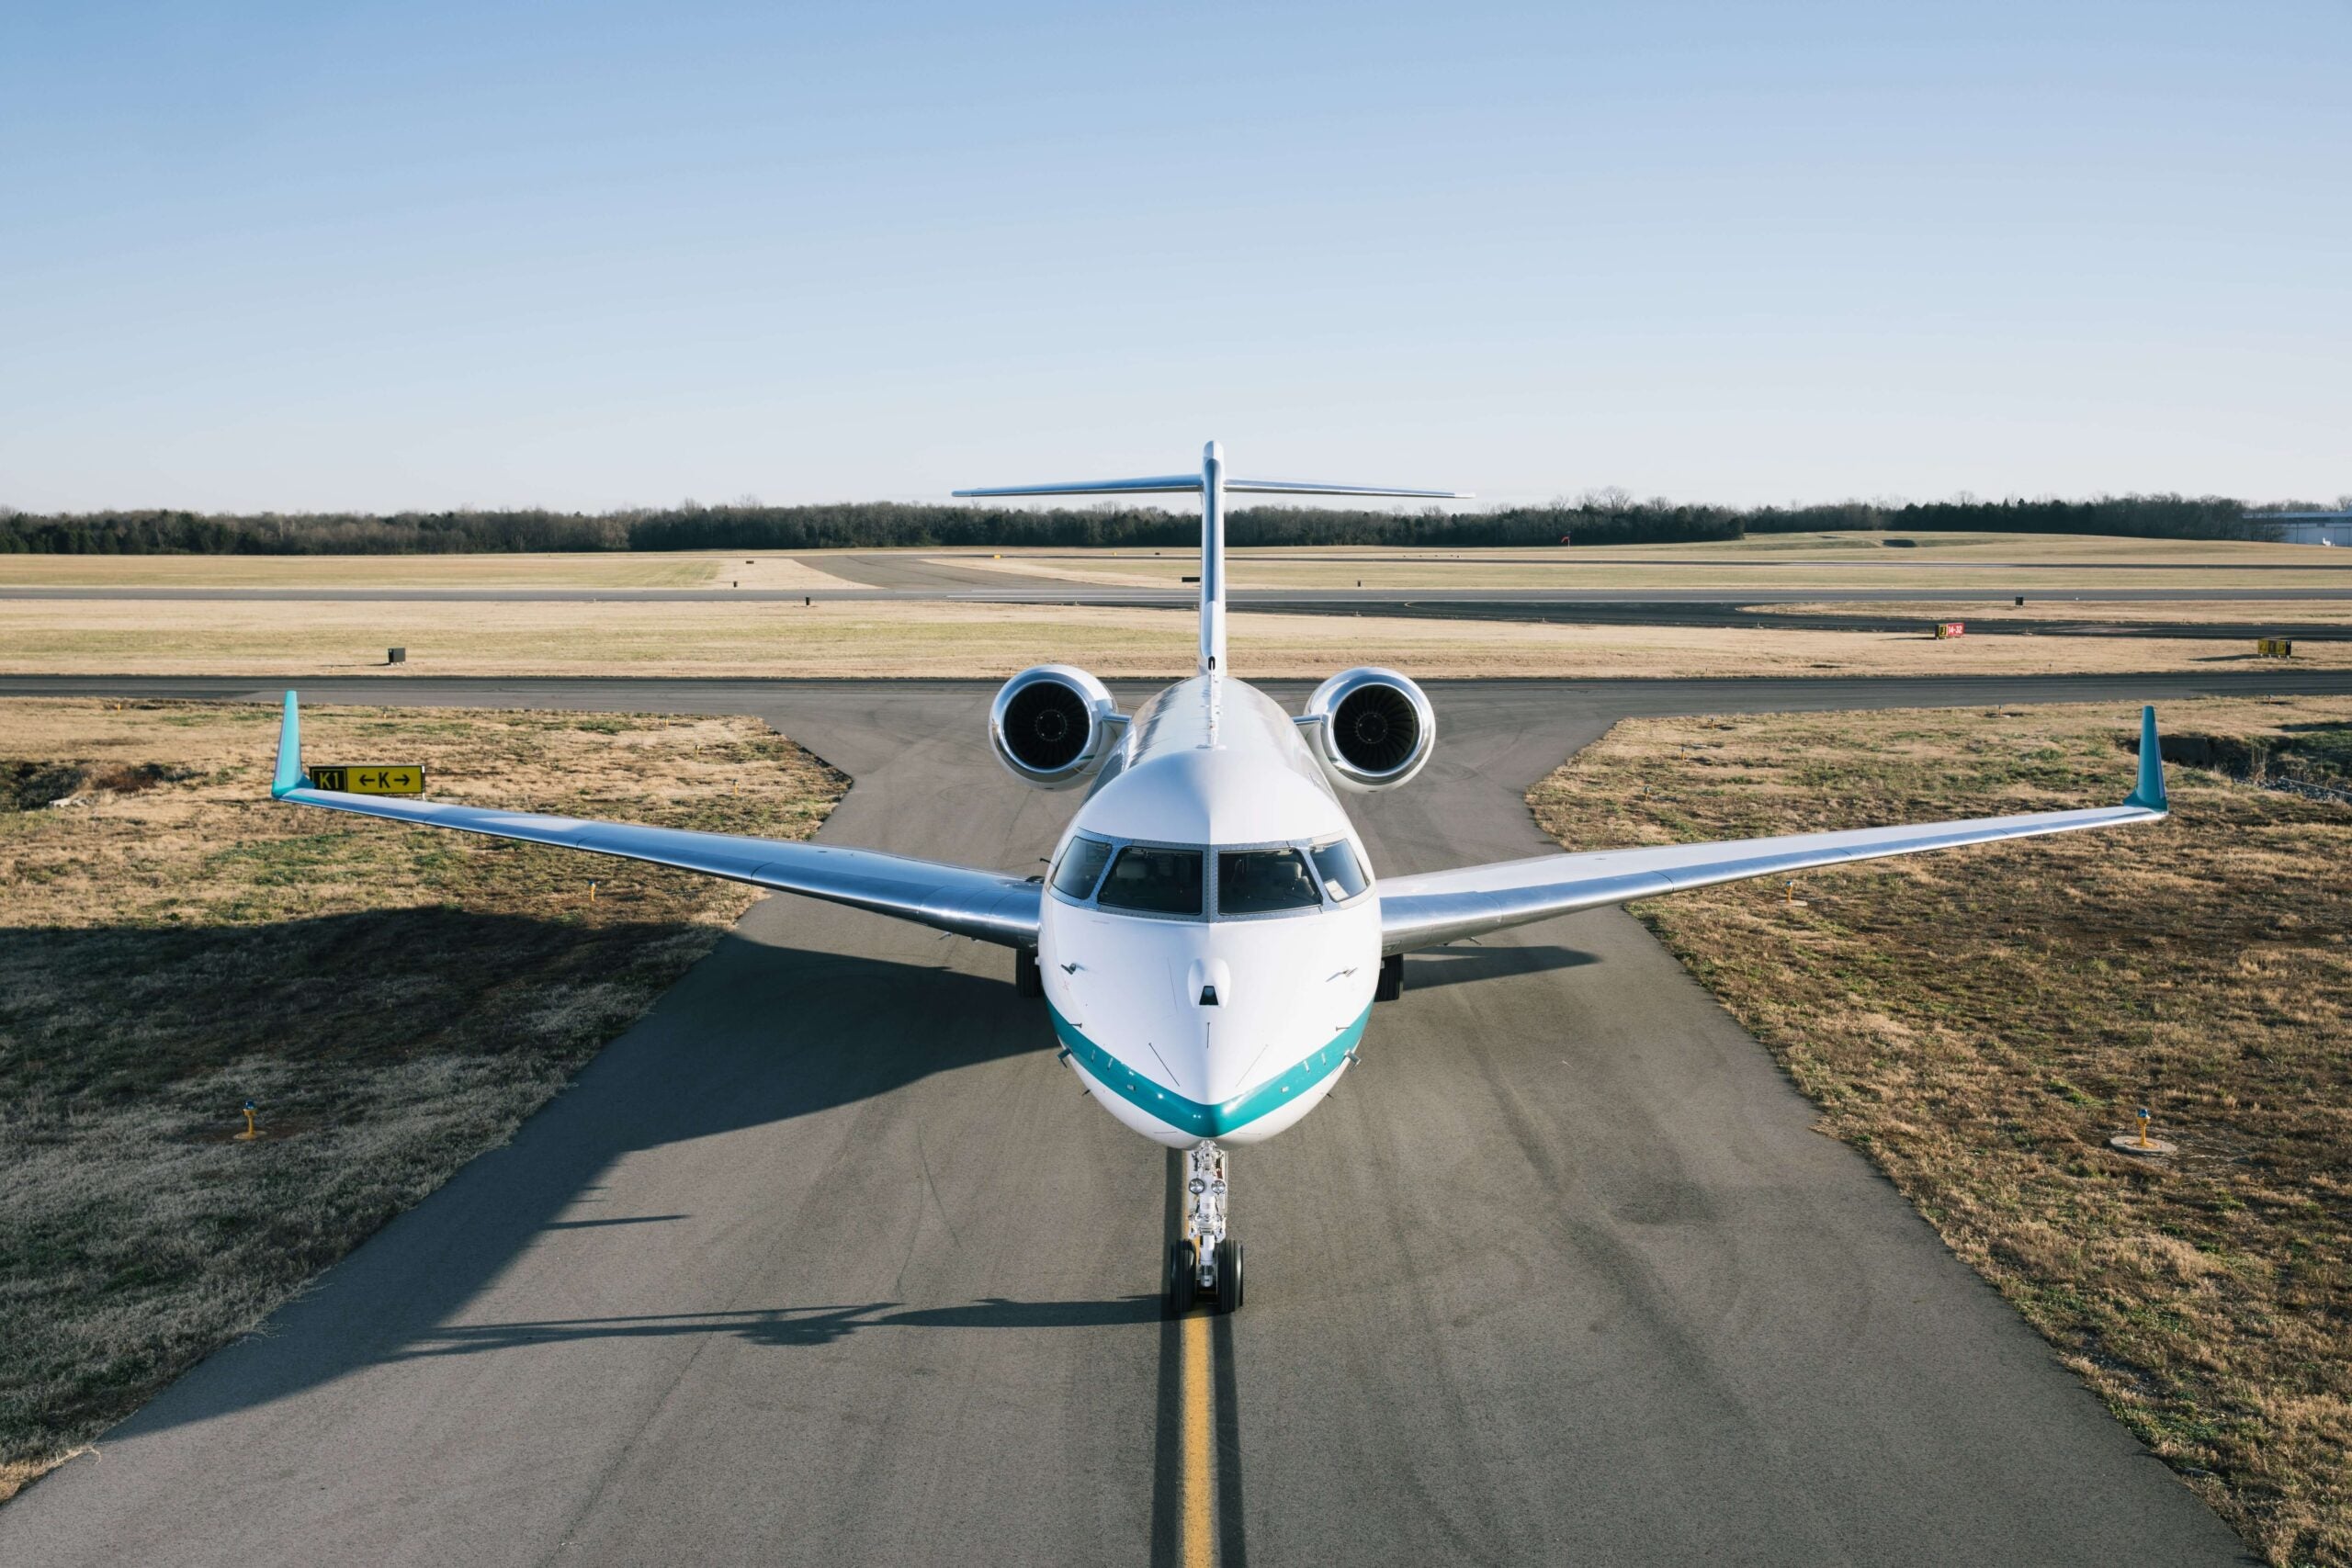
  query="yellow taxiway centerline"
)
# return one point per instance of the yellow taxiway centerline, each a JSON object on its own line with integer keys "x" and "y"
{"x": 1196, "y": 1533}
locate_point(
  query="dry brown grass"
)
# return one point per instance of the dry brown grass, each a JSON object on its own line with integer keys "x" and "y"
{"x": 1987, "y": 562}
{"x": 1980, "y": 1023}
{"x": 868, "y": 639}
{"x": 178, "y": 945}
{"x": 490, "y": 569}
{"x": 1998, "y": 611}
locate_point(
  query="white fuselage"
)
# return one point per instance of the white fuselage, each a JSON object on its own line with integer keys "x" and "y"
{"x": 1214, "y": 985}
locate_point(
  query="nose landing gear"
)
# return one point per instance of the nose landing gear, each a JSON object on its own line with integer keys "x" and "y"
{"x": 1206, "y": 1261}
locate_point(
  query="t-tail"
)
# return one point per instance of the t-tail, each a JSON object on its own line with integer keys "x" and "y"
{"x": 1212, "y": 485}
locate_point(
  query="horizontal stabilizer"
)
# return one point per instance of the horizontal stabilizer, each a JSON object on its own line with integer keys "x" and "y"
{"x": 1302, "y": 487}
{"x": 1211, "y": 485}
{"x": 1190, "y": 484}
{"x": 1165, "y": 484}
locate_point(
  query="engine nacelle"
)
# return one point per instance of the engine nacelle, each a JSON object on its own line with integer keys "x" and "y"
{"x": 1052, "y": 725}
{"x": 1372, "y": 729}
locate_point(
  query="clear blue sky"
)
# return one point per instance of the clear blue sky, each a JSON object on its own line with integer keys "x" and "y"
{"x": 317, "y": 256}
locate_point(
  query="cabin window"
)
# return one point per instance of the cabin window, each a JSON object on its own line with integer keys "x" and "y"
{"x": 1342, "y": 872}
{"x": 1082, "y": 867}
{"x": 1258, "y": 882}
{"x": 1155, "y": 882}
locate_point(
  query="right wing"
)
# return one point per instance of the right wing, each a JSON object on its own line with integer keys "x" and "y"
{"x": 1445, "y": 905}
{"x": 985, "y": 905}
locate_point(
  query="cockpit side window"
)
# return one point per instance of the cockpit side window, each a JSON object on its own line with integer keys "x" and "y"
{"x": 1259, "y": 882}
{"x": 1081, "y": 868}
{"x": 1154, "y": 881}
{"x": 1341, "y": 870}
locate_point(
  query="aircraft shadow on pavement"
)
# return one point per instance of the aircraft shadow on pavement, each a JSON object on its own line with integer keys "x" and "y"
{"x": 753, "y": 1035}
{"x": 786, "y": 1327}
{"x": 1460, "y": 965}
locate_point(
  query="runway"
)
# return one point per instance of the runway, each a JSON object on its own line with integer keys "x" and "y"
{"x": 1017, "y": 590}
{"x": 827, "y": 1261}
{"x": 1983, "y": 609}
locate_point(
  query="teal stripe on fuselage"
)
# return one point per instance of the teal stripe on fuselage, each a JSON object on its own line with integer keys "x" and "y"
{"x": 1191, "y": 1115}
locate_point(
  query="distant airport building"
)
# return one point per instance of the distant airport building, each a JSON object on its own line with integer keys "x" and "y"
{"x": 2309, "y": 527}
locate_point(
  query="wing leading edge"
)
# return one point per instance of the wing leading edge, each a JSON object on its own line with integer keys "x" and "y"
{"x": 1445, "y": 905}
{"x": 985, "y": 905}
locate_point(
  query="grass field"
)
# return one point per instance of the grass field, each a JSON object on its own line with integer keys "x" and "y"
{"x": 490, "y": 569}
{"x": 848, "y": 638}
{"x": 172, "y": 944}
{"x": 1980, "y": 1023}
{"x": 1995, "y": 563}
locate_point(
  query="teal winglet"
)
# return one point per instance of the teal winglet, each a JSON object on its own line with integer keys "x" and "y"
{"x": 2150, "y": 796}
{"x": 290, "y": 752}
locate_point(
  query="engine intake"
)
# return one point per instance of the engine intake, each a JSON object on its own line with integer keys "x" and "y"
{"x": 1051, "y": 725}
{"x": 1374, "y": 728}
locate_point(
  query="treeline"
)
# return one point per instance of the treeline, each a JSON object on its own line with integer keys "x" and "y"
{"x": 1600, "y": 517}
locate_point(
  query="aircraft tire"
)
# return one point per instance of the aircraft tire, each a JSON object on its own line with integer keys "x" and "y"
{"x": 1028, "y": 980}
{"x": 1228, "y": 1276}
{"x": 1183, "y": 1279}
{"x": 1391, "y": 984}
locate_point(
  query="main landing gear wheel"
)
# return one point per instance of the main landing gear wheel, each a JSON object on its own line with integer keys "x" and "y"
{"x": 1228, "y": 1276}
{"x": 1183, "y": 1277}
{"x": 1391, "y": 984}
{"x": 1028, "y": 980}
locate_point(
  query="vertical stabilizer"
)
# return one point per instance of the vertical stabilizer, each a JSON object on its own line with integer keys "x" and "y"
{"x": 1212, "y": 559}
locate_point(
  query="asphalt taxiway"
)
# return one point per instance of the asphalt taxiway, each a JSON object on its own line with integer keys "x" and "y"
{"x": 827, "y": 1260}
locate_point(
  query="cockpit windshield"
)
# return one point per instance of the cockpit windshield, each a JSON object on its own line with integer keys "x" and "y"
{"x": 1082, "y": 867}
{"x": 1258, "y": 882}
{"x": 1338, "y": 864}
{"x": 1154, "y": 881}
{"x": 1170, "y": 879}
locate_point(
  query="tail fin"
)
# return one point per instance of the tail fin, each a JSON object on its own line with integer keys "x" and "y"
{"x": 2150, "y": 794}
{"x": 290, "y": 752}
{"x": 1212, "y": 658}
{"x": 1212, "y": 485}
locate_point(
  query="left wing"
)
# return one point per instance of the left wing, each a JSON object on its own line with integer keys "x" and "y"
{"x": 1443, "y": 906}
{"x": 986, "y": 905}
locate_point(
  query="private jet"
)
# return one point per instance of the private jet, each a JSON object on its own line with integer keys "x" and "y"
{"x": 1210, "y": 938}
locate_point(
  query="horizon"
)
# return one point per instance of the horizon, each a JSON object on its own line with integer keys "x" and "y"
{"x": 1472, "y": 508}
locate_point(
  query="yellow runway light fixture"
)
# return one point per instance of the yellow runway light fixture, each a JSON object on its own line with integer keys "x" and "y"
{"x": 2140, "y": 1144}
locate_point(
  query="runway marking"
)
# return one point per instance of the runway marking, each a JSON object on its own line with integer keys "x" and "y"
{"x": 1196, "y": 1478}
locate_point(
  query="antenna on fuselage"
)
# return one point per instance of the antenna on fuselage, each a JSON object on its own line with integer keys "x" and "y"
{"x": 1212, "y": 487}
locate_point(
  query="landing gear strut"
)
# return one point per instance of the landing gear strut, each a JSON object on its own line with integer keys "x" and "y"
{"x": 1206, "y": 1261}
